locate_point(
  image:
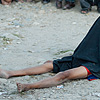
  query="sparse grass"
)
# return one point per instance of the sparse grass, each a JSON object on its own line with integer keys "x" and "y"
{"x": 62, "y": 51}
{"x": 18, "y": 35}
{"x": 5, "y": 40}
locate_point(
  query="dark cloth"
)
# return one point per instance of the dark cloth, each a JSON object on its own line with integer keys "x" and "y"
{"x": 86, "y": 4}
{"x": 0, "y": 2}
{"x": 62, "y": 64}
{"x": 86, "y": 54}
{"x": 68, "y": 1}
{"x": 91, "y": 77}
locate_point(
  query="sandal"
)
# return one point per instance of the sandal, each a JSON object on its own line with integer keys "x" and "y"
{"x": 85, "y": 11}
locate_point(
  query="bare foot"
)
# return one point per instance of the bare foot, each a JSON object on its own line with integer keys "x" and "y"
{"x": 29, "y": 0}
{"x": 21, "y": 1}
{"x": 22, "y": 87}
{"x": 4, "y": 74}
{"x": 84, "y": 12}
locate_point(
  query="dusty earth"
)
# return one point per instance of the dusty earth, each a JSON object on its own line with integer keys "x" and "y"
{"x": 31, "y": 33}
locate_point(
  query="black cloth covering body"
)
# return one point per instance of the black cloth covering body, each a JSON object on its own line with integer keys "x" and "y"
{"x": 86, "y": 54}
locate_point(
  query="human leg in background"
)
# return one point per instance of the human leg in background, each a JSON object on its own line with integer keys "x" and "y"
{"x": 69, "y": 4}
{"x": 59, "y": 4}
{"x": 85, "y": 5}
{"x": 75, "y": 73}
{"x": 6, "y": 2}
{"x": 98, "y": 6}
{"x": 46, "y": 67}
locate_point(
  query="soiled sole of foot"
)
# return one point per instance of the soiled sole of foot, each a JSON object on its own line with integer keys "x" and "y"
{"x": 21, "y": 87}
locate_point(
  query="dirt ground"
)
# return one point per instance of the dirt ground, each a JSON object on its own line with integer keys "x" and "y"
{"x": 30, "y": 34}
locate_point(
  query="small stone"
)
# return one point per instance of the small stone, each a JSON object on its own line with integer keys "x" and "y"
{"x": 26, "y": 77}
{"x": 3, "y": 80}
{"x": 5, "y": 48}
{"x": 8, "y": 97}
{"x": 60, "y": 86}
{"x": 6, "y": 5}
{"x": 10, "y": 19}
{"x": 17, "y": 33}
{"x": 36, "y": 23}
{"x": 1, "y": 93}
{"x": 74, "y": 23}
{"x": 3, "y": 97}
{"x": 8, "y": 42}
{"x": 30, "y": 51}
{"x": 53, "y": 91}
{"x": 18, "y": 42}
{"x": 35, "y": 16}
{"x": 17, "y": 26}
{"x": 96, "y": 94}
{"x": 42, "y": 12}
{"x": 44, "y": 98}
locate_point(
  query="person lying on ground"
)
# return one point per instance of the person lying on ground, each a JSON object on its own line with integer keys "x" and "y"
{"x": 84, "y": 61}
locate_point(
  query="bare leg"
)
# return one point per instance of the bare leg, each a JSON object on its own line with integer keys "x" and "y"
{"x": 59, "y": 78}
{"x": 46, "y": 67}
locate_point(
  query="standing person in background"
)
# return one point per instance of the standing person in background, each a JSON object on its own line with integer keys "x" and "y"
{"x": 68, "y": 4}
{"x": 8, "y": 2}
{"x": 5, "y": 2}
{"x": 86, "y": 5}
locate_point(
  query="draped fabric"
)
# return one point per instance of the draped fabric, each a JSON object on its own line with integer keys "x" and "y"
{"x": 86, "y": 54}
{"x": 88, "y": 51}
